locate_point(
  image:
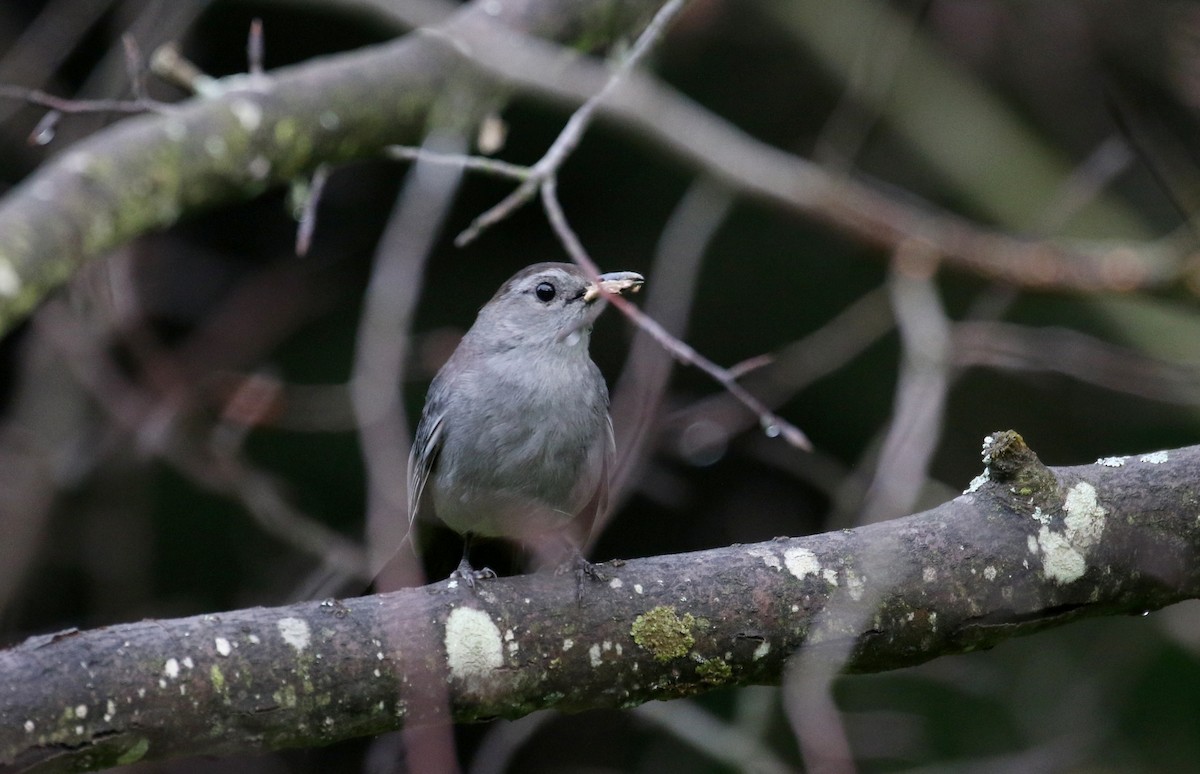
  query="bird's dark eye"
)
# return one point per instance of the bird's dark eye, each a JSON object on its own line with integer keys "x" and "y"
{"x": 545, "y": 292}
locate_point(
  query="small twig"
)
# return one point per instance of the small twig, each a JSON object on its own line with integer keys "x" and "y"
{"x": 255, "y": 48}
{"x": 65, "y": 105}
{"x": 772, "y": 424}
{"x": 750, "y": 364}
{"x": 308, "y": 211}
{"x": 169, "y": 64}
{"x": 572, "y": 133}
{"x": 471, "y": 163}
{"x": 43, "y": 132}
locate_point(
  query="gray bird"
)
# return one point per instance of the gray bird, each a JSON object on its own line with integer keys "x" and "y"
{"x": 515, "y": 440}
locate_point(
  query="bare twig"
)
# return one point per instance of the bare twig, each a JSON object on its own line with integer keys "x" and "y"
{"x": 65, "y": 105}
{"x": 772, "y": 424}
{"x": 308, "y": 211}
{"x": 471, "y": 163}
{"x": 255, "y": 48}
{"x": 569, "y": 138}
{"x": 172, "y": 66}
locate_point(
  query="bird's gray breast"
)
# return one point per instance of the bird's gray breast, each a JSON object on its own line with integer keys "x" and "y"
{"x": 521, "y": 447}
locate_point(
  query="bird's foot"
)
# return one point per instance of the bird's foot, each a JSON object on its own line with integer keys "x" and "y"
{"x": 468, "y": 574}
{"x": 582, "y": 567}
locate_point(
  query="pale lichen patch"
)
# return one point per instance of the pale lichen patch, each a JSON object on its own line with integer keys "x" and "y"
{"x": 295, "y": 632}
{"x": 1061, "y": 562}
{"x": 223, "y": 646}
{"x": 763, "y": 649}
{"x": 473, "y": 644}
{"x": 1112, "y": 462}
{"x": 989, "y": 573}
{"x": 594, "y": 656}
{"x": 1155, "y": 458}
{"x": 1064, "y": 553}
{"x": 1085, "y": 518}
{"x": 801, "y": 562}
{"x": 929, "y": 574}
{"x": 171, "y": 668}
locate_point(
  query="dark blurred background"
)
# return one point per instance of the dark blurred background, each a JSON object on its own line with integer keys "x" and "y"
{"x": 178, "y": 435}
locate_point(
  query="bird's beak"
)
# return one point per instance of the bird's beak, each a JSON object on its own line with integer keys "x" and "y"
{"x": 614, "y": 282}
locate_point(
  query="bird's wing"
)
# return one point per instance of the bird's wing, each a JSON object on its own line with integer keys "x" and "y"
{"x": 593, "y": 513}
{"x": 421, "y": 459}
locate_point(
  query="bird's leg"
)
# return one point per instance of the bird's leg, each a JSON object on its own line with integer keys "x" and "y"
{"x": 465, "y": 572}
{"x": 584, "y": 567}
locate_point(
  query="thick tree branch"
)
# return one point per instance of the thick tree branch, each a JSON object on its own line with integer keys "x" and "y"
{"x": 1025, "y": 549}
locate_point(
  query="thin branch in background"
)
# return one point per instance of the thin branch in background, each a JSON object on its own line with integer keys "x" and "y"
{"x": 638, "y": 393}
{"x": 1087, "y": 359}
{"x": 720, "y": 740}
{"x": 920, "y": 399}
{"x": 308, "y": 210}
{"x": 1087, "y": 181}
{"x": 156, "y": 424}
{"x": 812, "y": 712}
{"x": 504, "y": 739}
{"x": 705, "y": 427}
{"x": 567, "y": 140}
{"x": 135, "y": 70}
{"x": 880, "y": 50}
{"x": 899, "y": 475}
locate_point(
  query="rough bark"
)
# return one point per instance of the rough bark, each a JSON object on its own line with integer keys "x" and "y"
{"x": 1026, "y": 548}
